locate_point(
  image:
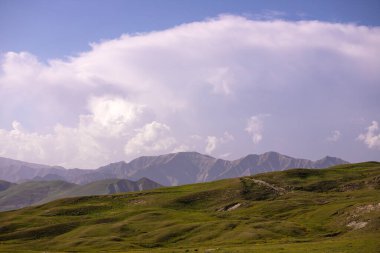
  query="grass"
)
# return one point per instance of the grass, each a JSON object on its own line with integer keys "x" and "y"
{"x": 309, "y": 214}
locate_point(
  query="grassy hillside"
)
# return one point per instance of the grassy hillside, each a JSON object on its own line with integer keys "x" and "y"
{"x": 110, "y": 186}
{"x": 300, "y": 210}
{"x": 38, "y": 192}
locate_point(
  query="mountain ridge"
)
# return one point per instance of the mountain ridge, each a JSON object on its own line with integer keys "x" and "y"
{"x": 168, "y": 169}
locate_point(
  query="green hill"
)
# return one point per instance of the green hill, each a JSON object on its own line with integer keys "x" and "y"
{"x": 299, "y": 210}
{"x": 31, "y": 192}
{"x": 38, "y": 192}
{"x": 109, "y": 186}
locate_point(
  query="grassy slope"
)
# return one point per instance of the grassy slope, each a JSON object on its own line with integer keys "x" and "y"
{"x": 301, "y": 211}
{"x": 101, "y": 187}
{"x": 38, "y": 192}
{"x": 32, "y": 192}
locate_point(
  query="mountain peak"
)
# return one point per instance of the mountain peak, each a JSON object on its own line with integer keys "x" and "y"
{"x": 328, "y": 161}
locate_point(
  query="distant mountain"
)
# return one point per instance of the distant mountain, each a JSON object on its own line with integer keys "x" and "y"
{"x": 191, "y": 167}
{"x": 39, "y": 192}
{"x": 32, "y": 192}
{"x": 171, "y": 169}
{"x": 19, "y": 171}
{"x": 13, "y": 170}
{"x": 111, "y": 186}
{"x": 49, "y": 177}
{"x": 5, "y": 185}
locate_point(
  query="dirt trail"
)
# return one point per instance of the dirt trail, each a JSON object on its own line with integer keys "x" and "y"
{"x": 280, "y": 190}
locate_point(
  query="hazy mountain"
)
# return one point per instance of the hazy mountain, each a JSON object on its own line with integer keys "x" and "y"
{"x": 32, "y": 192}
{"x": 5, "y": 185}
{"x": 111, "y": 186}
{"x": 13, "y": 170}
{"x": 38, "y": 192}
{"x": 49, "y": 177}
{"x": 191, "y": 167}
{"x": 19, "y": 171}
{"x": 171, "y": 169}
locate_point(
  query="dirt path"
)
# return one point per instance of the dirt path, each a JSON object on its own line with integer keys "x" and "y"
{"x": 280, "y": 190}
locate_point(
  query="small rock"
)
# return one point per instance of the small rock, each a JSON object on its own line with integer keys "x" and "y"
{"x": 357, "y": 224}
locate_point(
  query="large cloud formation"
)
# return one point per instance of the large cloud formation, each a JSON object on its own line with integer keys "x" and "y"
{"x": 194, "y": 87}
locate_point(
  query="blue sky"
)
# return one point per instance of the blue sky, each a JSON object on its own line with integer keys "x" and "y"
{"x": 65, "y": 27}
{"x": 86, "y": 83}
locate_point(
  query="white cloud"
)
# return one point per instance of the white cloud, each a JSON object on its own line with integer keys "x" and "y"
{"x": 212, "y": 141}
{"x": 255, "y": 127}
{"x": 335, "y": 136}
{"x": 198, "y": 78}
{"x": 154, "y": 137}
{"x": 112, "y": 114}
{"x": 221, "y": 80}
{"x": 98, "y": 137}
{"x": 21, "y": 144}
{"x": 211, "y": 144}
{"x": 372, "y": 137}
{"x": 227, "y": 137}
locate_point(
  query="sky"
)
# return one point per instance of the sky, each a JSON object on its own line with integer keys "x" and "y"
{"x": 87, "y": 83}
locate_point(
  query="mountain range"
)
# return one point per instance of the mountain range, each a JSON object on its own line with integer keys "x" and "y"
{"x": 170, "y": 169}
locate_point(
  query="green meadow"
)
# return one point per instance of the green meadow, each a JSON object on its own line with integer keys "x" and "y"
{"x": 299, "y": 210}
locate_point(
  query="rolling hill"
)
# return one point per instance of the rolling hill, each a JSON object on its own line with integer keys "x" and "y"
{"x": 297, "y": 210}
{"x": 29, "y": 193}
{"x": 170, "y": 169}
{"x": 37, "y": 192}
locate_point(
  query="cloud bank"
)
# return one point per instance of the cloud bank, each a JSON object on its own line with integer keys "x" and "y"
{"x": 152, "y": 93}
